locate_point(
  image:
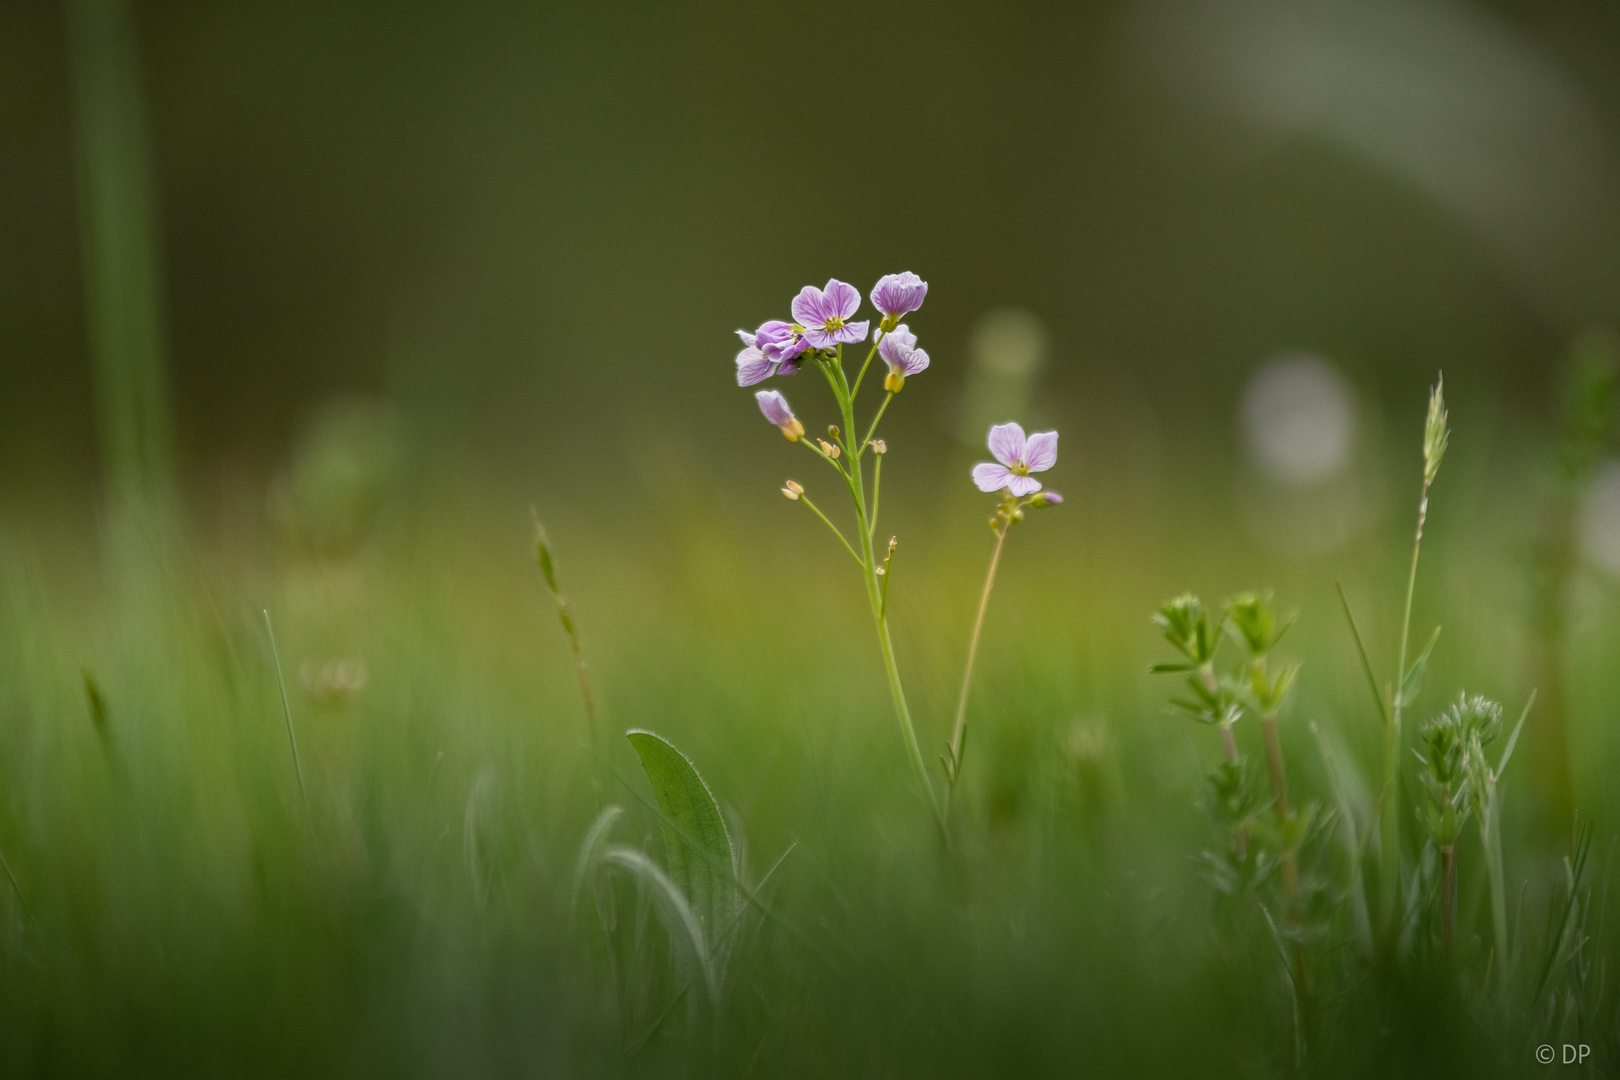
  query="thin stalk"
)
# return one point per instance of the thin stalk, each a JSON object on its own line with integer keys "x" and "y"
{"x": 1448, "y": 888}
{"x": 873, "y": 429}
{"x": 1491, "y": 822}
{"x": 959, "y": 729}
{"x": 908, "y": 731}
{"x": 1389, "y": 877}
{"x": 835, "y": 530}
{"x": 877, "y": 480}
{"x": 860, "y": 376}
{"x": 1229, "y": 742}
{"x": 1290, "y": 864}
{"x": 286, "y": 711}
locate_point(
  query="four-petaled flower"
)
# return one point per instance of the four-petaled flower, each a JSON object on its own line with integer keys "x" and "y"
{"x": 776, "y": 348}
{"x": 899, "y": 350}
{"x": 775, "y": 408}
{"x": 824, "y": 314}
{"x": 1018, "y": 457}
{"x": 898, "y": 294}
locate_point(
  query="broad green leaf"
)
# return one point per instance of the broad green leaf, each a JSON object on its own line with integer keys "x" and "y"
{"x": 701, "y": 859}
{"x": 1412, "y": 684}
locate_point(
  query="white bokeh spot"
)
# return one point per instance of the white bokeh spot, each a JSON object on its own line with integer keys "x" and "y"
{"x": 1600, "y": 519}
{"x": 1298, "y": 418}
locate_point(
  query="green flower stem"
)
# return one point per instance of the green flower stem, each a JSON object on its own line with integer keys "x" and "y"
{"x": 836, "y": 532}
{"x": 877, "y": 336}
{"x": 873, "y": 429}
{"x": 846, "y": 405}
{"x": 959, "y": 730}
{"x": 877, "y": 478}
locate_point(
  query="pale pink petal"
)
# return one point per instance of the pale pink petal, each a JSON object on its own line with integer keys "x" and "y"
{"x": 991, "y": 477}
{"x": 850, "y": 333}
{"x": 1023, "y": 485}
{"x": 915, "y": 361}
{"x": 747, "y": 338}
{"x": 902, "y": 335}
{"x": 753, "y": 366}
{"x": 843, "y": 299}
{"x": 1007, "y": 443}
{"x": 810, "y": 307}
{"x": 1040, "y": 452}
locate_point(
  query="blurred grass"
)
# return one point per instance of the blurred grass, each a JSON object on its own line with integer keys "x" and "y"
{"x": 183, "y": 917}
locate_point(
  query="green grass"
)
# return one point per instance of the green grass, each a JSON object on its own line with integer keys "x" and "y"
{"x": 180, "y": 911}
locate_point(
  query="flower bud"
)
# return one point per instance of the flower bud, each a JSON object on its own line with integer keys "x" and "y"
{"x": 827, "y": 448}
{"x": 879, "y": 446}
{"x": 1045, "y": 498}
{"x": 793, "y": 489}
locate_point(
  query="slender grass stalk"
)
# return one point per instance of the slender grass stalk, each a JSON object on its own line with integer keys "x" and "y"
{"x": 286, "y": 712}
{"x": 565, "y": 615}
{"x": 1435, "y": 437}
{"x": 121, "y": 254}
{"x": 1490, "y": 835}
{"x": 958, "y": 742}
{"x": 17, "y": 889}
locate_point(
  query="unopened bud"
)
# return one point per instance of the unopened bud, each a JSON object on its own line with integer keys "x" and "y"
{"x": 827, "y": 448}
{"x": 879, "y": 446}
{"x": 832, "y": 429}
{"x": 793, "y": 489}
{"x": 1046, "y": 498}
{"x": 893, "y": 381}
{"x": 1017, "y": 516}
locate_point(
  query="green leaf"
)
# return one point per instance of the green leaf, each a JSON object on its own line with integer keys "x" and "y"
{"x": 1361, "y": 650}
{"x": 1412, "y": 684}
{"x": 1166, "y": 669}
{"x": 702, "y": 861}
{"x": 1513, "y": 740}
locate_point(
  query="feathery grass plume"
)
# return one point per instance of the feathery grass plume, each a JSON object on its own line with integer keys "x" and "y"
{"x": 1585, "y": 429}
{"x": 1436, "y": 436}
{"x": 1448, "y": 743}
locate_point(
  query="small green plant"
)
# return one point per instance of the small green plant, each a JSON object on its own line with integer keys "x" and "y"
{"x": 1451, "y": 744}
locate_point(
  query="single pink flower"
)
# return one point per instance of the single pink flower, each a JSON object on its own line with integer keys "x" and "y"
{"x": 1018, "y": 457}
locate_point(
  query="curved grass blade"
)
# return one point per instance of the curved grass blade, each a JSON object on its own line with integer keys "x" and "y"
{"x": 686, "y": 935}
{"x": 590, "y": 850}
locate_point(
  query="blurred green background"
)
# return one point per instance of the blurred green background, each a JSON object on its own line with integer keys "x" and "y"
{"x": 423, "y": 266}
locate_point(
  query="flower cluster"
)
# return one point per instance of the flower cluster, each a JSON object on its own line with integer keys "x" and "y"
{"x": 823, "y": 319}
